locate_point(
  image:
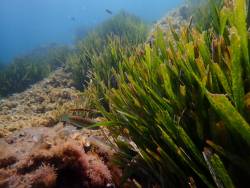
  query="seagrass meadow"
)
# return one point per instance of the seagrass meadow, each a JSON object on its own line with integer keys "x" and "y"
{"x": 126, "y": 28}
{"x": 31, "y": 68}
{"x": 178, "y": 108}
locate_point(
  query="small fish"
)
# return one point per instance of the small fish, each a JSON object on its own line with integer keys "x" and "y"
{"x": 78, "y": 121}
{"x": 109, "y": 11}
{"x": 72, "y": 18}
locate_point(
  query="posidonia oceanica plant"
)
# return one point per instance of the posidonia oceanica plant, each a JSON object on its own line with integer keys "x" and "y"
{"x": 31, "y": 68}
{"x": 128, "y": 28}
{"x": 180, "y": 109}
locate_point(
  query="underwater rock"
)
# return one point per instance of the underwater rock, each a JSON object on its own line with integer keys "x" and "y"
{"x": 55, "y": 157}
{"x": 7, "y": 156}
{"x": 39, "y": 99}
{"x": 10, "y": 105}
{"x": 40, "y": 109}
{"x": 39, "y": 105}
{"x": 176, "y": 18}
{"x": 44, "y": 177}
{"x": 3, "y": 132}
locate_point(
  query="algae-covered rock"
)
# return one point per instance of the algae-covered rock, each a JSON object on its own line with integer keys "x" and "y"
{"x": 59, "y": 156}
{"x": 39, "y": 105}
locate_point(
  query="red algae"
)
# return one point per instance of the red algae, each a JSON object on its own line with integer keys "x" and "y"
{"x": 53, "y": 157}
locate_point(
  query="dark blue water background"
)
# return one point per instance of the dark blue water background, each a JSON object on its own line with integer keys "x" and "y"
{"x": 28, "y": 24}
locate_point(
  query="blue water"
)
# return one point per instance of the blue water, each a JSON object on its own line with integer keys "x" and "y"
{"x": 28, "y": 24}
